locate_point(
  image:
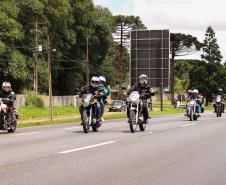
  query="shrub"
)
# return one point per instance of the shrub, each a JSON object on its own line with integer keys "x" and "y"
{"x": 34, "y": 101}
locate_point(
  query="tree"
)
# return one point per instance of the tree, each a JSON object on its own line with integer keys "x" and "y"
{"x": 210, "y": 47}
{"x": 123, "y": 26}
{"x": 181, "y": 45}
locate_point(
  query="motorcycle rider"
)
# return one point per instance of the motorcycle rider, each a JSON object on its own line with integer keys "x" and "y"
{"x": 142, "y": 87}
{"x": 221, "y": 93}
{"x": 8, "y": 93}
{"x": 92, "y": 88}
{"x": 195, "y": 95}
{"x": 189, "y": 94}
{"x": 104, "y": 92}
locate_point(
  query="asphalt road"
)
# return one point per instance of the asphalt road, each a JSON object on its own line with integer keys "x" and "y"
{"x": 172, "y": 151}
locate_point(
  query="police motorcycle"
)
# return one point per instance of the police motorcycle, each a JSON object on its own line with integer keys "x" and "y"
{"x": 4, "y": 110}
{"x": 136, "y": 103}
{"x": 88, "y": 102}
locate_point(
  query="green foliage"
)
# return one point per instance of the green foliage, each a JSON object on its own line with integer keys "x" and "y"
{"x": 182, "y": 44}
{"x": 17, "y": 67}
{"x": 43, "y": 77}
{"x": 2, "y": 47}
{"x": 33, "y": 100}
{"x": 69, "y": 24}
{"x": 28, "y": 112}
{"x": 210, "y": 47}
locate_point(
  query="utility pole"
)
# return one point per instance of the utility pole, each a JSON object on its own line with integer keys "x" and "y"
{"x": 36, "y": 58}
{"x": 87, "y": 60}
{"x": 50, "y": 79}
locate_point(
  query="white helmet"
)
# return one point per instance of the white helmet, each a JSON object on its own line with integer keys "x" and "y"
{"x": 102, "y": 79}
{"x": 94, "y": 82}
{"x": 6, "y": 84}
{"x": 195, "y": 91}
{"x": 143, "y": 79}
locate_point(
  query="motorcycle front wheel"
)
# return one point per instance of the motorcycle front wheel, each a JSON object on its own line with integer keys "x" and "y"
{"x": 132, "y": 121}
{"x": 13, "y": 127}
{"x": 85, "y": 121}
{"x": 191, "y": 115}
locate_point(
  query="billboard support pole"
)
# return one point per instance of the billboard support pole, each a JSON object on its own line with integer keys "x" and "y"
{"x": 162, "y": 75}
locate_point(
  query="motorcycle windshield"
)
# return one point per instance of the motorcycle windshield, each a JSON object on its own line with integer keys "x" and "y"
{"x": 134, "y": 96}
{"x": 87, "y": 97}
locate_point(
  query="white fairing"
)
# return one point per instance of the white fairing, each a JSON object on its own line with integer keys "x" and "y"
{"x": 134, "y": 97}
{"x": 218, "y": 99}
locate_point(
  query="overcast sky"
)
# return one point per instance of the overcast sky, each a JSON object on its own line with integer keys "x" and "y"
{"x": 185, "y": 16}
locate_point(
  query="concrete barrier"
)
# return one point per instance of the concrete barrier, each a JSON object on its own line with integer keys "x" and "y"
{"x": 57, "y": 100}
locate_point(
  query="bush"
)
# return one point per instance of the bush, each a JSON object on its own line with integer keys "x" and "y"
{"x": 34, "y": 101}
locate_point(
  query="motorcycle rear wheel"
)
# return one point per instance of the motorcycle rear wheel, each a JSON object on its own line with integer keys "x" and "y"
{"x": 95, "y": 127}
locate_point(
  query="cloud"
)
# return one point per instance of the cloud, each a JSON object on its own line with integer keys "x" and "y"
{"x": 186, "y": 16}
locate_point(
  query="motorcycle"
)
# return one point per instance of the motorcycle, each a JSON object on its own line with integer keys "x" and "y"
{"x": 136, "y": 103}
{"x": 88, "y": 102}
{"x": 4, "y": 110}
{"x": 219, "y": 106}
{"x": 192, "y": 111}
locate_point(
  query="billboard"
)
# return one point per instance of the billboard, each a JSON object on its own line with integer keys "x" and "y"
{"x": 149, "y": 54}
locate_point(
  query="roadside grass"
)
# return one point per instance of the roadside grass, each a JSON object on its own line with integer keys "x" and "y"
{"x": 27, "y": 113}
{"x": 75, "y": 112}
{"x": 22, "y": 124}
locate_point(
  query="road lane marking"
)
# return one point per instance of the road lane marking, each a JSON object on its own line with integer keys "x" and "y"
{"x": 188, "y": 125}
{"x": 87, "y": 147}
{"x": 150, "y": 132}
{"x": 29, "y": 133}
{"x": 70, "y": 128}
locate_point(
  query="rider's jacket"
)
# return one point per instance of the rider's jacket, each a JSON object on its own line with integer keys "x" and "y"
{"x": 196, "y": 97}
{"x": 88, "y": 89}
{"x": 142, "y": 89}
{"x": 10, "y": 95}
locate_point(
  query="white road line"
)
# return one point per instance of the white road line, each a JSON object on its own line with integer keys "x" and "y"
{"x": 150, "y": 132}
{"x": 69, "y": 128}
{"x": 29, "y": 133}
{"x": 189, "y": 125}
{"x": 87, "y": 147}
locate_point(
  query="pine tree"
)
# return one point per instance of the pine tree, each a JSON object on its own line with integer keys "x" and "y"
{"x": 211, "y": 52}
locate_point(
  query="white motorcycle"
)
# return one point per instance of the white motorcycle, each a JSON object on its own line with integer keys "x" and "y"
{"x": 136, "y": 103}
{"x": 4, "y": 110}
{"x": 192, "y": 110}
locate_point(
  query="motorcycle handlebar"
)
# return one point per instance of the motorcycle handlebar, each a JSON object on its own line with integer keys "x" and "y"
{"x": 7, "y": 99}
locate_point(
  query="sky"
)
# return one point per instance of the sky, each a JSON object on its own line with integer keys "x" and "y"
{"x": 182, "y": 16}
